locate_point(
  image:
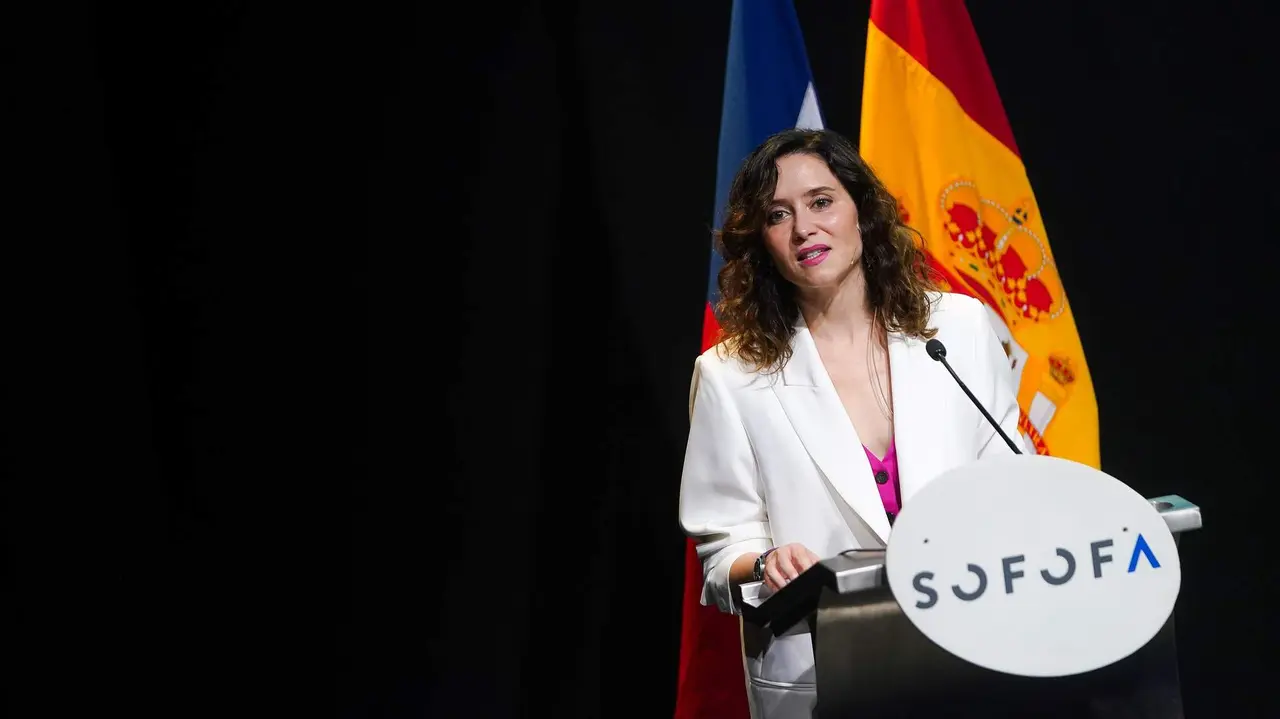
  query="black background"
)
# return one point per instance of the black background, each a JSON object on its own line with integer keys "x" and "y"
{"x": 347, "y": 349}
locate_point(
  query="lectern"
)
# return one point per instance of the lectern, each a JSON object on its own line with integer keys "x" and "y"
{"x": 853, "y": 615}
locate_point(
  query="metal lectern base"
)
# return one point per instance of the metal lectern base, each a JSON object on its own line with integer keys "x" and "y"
{"x": 872, "y": 662}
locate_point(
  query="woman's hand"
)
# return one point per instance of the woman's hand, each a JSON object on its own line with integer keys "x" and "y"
{"x": 786, "y": 563}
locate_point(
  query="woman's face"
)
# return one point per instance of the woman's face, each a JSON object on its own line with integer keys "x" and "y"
{"x": 811, "y": 228}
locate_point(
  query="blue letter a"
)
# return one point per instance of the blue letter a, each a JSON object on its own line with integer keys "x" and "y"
{"x": 1141, "y": 547}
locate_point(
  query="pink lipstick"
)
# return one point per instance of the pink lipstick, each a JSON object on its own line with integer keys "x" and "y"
{"x": 813, "y": 255}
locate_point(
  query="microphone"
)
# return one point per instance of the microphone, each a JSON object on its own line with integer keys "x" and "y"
{"x": 938, "y": 352}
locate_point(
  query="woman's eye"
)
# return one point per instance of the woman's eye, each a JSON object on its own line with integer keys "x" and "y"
{"x": 822, "y": 203}
{"x": 777, "y": 216}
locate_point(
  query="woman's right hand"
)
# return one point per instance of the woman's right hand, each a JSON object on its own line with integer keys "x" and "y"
{"x": 786, "y": 563}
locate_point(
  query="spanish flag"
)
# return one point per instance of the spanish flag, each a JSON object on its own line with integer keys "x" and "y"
{"x": 934, "y": 130}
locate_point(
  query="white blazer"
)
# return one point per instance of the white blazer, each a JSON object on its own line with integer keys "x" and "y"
{"x": 774, "y": 459}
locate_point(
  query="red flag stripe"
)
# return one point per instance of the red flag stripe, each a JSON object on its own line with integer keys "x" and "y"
{"x": 943, "y": 40}
{"x": 711, "y": 682}
{"x": 710, "y": 328}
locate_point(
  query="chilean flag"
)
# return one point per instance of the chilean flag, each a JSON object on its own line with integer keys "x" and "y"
{"x": 768, "y": 87}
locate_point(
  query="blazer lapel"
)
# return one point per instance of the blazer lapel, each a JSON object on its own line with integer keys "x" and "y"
{"x": 918, "y": 407}
{"x": 813, "y": 408}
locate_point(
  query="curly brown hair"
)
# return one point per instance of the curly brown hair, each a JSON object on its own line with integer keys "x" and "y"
{"x": 757, "y": 309}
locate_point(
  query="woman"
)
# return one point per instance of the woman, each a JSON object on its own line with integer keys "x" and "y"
{"x": 820, "y": 413}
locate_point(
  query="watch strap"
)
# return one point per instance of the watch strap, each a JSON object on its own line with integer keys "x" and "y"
{"x": 757, "y": 572}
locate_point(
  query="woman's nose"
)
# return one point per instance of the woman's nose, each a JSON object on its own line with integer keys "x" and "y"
{"x": 803, "y": 228}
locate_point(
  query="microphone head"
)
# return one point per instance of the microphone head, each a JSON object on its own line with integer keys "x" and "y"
{"x": 936, "y": 349}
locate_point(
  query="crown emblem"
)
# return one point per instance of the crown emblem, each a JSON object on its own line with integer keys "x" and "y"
{"x": 998, "y": 255}
{"x": 1060, "y": 370}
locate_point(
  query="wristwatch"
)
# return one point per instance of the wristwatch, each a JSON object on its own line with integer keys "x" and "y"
{"x": 757, "y": 572}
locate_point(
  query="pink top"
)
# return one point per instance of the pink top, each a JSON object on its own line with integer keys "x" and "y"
{"x": 886, "y": 474}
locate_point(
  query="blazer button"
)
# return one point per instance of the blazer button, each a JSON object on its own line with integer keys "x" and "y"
{"x": 882, "y": 477}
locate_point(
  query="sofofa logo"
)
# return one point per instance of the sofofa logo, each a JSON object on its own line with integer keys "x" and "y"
{"x": 1008, "y": 565}
{"x": 1033, "y": 565}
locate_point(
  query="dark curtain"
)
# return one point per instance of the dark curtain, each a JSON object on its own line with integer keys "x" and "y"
{"x": 347, "y": 348}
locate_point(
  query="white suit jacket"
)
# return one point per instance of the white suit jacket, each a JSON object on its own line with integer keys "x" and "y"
{"x": 774, "y": 458}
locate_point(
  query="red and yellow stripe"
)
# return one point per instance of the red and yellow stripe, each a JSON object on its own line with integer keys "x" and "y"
{"x": 936, "y": 133}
